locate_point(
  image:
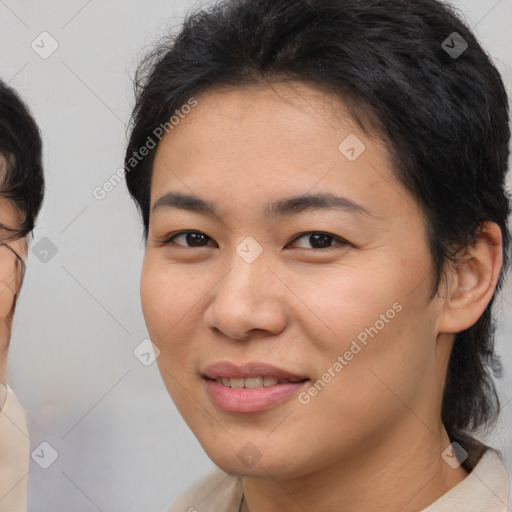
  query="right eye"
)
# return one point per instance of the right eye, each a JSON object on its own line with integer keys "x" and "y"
{"x": 191, "y": 239}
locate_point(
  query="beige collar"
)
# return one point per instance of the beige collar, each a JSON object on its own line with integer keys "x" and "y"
{"x": 485, "y": 489}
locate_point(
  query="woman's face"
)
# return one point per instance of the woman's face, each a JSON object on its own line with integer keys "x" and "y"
{"x": 330, "y": 289}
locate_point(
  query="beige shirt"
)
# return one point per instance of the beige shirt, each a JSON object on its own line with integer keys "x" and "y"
{"x": 485, "y": 489}
{"x": 14, "y": 455}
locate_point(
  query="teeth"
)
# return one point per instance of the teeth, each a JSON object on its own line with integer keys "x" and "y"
{"x": 249, "y": 383}
{"x": 270, "y": 381}
{"x": 236, "y": 383}
{"x": 254, "y": 382}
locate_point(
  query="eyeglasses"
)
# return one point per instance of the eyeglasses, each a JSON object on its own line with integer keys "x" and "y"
{"x": 18, "y": 257}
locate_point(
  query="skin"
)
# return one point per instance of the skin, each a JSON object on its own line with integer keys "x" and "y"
{"x": 372, "y": 439}
{"x": 10, "y": 283}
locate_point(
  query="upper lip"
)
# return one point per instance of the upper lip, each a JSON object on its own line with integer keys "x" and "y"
{"x": 226, "y": 369}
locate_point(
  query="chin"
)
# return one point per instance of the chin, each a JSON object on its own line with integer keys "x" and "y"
{"x": 278, "y": 465}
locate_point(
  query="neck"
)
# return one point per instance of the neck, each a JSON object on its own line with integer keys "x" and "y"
{"x": 405, "y": 473}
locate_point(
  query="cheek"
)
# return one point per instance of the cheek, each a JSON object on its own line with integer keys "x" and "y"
{"x": 163, "y": 297}
{"x": 167, "y": 300}
{"x": 382, "y": 371}
{"x": 171, "y": 298}
{"x": 150, "y": 297}
{"x": 337, "y": 304}
{"x": 377, "y": 326}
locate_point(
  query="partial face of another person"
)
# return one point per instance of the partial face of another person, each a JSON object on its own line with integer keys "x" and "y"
{"x": 331, "y": 289}
{"x": 12, "y": 253}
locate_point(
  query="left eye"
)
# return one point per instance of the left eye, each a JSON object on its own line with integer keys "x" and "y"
{"x": 319, "y": 240}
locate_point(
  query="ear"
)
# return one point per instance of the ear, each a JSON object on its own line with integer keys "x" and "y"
{"x": 472, "y": 281}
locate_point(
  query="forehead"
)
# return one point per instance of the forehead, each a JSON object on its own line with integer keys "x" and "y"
{"x": 265, "y": 140}
{"x": 267, "y": 106}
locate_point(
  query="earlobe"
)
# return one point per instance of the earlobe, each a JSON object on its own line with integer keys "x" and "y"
{"x": 472, "y": 281}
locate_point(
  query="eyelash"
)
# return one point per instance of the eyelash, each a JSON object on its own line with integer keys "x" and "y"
{"x": 342, "y": 242}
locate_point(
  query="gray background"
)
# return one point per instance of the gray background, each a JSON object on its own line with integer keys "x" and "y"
{"x": 121, "y": 444}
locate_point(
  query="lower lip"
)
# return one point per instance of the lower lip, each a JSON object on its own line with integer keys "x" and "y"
{"x": 243, "y": 400}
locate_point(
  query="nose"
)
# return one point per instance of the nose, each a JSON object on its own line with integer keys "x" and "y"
{"x": 249, "y": 300}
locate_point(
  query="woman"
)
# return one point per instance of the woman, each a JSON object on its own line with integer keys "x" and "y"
{"x": 21, "y": 195}
{"x": 321, "y": 184}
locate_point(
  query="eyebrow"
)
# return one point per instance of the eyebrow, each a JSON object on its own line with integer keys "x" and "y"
{"x": 283, "y": 207}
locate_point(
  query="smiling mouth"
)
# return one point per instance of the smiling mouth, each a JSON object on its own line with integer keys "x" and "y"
{"x": 250, "y": 388}
{"x": 254, "y": 382}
